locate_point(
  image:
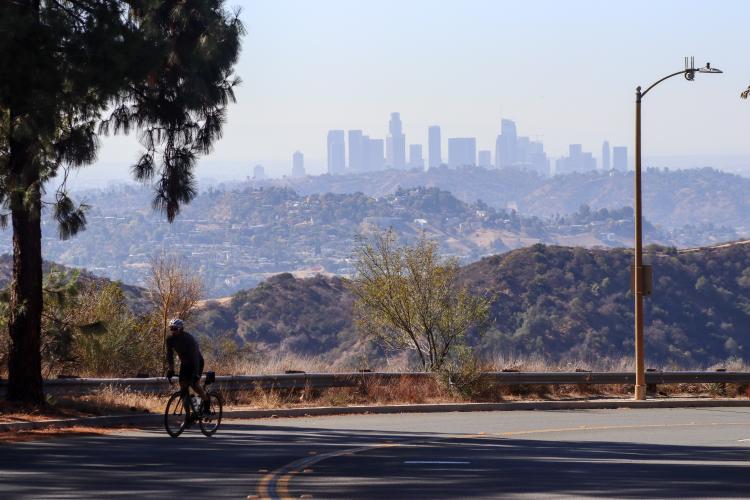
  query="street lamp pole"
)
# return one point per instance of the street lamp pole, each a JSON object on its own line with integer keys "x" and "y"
{"x": 638, "y": 274}
{"x": 640, "y": 371}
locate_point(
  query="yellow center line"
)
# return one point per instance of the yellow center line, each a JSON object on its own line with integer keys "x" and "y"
{"x": 276, "y": 484}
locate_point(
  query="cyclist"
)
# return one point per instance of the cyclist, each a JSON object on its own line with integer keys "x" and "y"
{"x": 191, "y": 362}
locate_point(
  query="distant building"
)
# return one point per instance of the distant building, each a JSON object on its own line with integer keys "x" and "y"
{"x": 462, "y": 151}
{"x": 506, "y": 145}
{"x": 484, "y": 158}
{"x": 336, "y": 152}
{"x": 620, "y": 158}
{"x": 374, "y": 153}
{"x": 433, "y": 147}
{"x": 537, "y": 159}
{"x": 259, "y": 173}
{"x": 298, "y": 164}
{"x": 576, "y": 161}
{"x": 356, "y": 151}
{"x": 396, "y": 143}
{"x": 512, "y": 151}
{"x": 605, "y": 156}
{"x": 415, "y": 156}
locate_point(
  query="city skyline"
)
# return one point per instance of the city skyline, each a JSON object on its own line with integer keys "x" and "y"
{"x": 334, "y": 65}
{"x": 511, "y": 151}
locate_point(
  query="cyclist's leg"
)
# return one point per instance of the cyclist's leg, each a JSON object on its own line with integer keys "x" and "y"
{"x": 197, "y": 387}
{"x": 186, "y": 378}
{"x": 184, "y": 384}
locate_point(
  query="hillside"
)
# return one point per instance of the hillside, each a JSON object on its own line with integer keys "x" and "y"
{"x": 235, "y": 238}
{"x": 306, "y": 316}
{"x": 672, "y": 198}
{"x": 549, "y": 300}
{"x": 135, "y": 296}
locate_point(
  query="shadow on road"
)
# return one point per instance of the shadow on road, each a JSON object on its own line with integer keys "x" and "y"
{"x": 151, "y": 464}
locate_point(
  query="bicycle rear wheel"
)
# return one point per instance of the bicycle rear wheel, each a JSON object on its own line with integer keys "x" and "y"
{"x": 175, "y": 418}
{"x": 210, "y": 421}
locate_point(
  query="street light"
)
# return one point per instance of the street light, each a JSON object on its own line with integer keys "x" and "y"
{"x": 638, "y": 270}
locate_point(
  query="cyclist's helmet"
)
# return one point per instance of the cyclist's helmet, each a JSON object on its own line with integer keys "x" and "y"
{"x": 176, "y": 324}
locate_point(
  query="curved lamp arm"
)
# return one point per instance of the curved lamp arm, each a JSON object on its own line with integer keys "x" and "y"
{"x": 689, "y": 74}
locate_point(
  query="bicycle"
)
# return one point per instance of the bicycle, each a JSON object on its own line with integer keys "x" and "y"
{"x": 178, "y": 416}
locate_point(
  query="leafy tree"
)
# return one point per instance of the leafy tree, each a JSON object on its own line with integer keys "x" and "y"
{"x": 71, "y": 69}
{"x": 408, "y": 298}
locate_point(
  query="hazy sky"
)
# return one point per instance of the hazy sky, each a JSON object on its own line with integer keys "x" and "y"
{"x": 565, "y": 71}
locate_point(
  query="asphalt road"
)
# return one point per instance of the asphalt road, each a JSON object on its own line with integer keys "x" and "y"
{"x": 608, "y": 453}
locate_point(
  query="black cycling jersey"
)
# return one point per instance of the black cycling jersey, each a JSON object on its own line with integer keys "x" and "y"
{"x": 187, "y": 350}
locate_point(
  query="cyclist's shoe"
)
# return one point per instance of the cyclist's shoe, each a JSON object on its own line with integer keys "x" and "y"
{"x": 205, "y": 408}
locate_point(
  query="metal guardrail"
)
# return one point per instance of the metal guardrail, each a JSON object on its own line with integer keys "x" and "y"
{"x": 82, "y": 386}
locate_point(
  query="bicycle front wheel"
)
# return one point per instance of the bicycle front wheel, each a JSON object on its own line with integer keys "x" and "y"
{"x": 210, "y": 420}
{"x": 175, "y": 418}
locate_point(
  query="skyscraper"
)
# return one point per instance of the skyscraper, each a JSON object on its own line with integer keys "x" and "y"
{"x": 506, "y": 146}
{"x": 576, "y": 161}
{"x": 605, "y": 156}
{"x": 373, "y": 153}
{"x": 537, "y": 159}
{"x": 356, "y": 151}
{"x": 462, "y": 151}
{"x": 620, "y": 158}
{"x": 259, "y": 173}
{"x": 415, "y": 156}
{"x": 396, "y": 143}
{"x": 485, "y": 158}
{"x": 298, "y": 164}
{"x": 433, "y": 146}
{"x": 336, "y": 152}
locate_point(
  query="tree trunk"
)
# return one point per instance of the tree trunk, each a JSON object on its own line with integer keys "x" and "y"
{"x": 24, "y": 324}
{"x": 22, "y": 181}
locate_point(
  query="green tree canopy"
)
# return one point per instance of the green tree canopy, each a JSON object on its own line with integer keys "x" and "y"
{"x": 73, "y": 69}
{"x": 408, "y": 298}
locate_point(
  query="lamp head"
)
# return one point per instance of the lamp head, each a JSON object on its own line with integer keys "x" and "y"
{"x": 708, "y": 69}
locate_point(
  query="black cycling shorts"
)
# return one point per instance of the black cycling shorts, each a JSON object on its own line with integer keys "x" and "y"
{"x": 190, "y": 373}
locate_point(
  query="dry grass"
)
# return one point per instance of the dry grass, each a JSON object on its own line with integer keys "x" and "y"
{"x": 111, "y": 400}
{"x": 119, "y": 400}
{"x": 274, "y": 363}
{"x": 403, "y": 391}
{"x": 108, "y": 401}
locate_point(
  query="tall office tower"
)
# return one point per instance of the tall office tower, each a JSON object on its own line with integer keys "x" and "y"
{"x": 259, "y": 173}
{"x": 462, "y": 151}
{"x": 485, "y": 158}
{"x": 576, "y": 161}
{"x": 537, "y": 159}
{"x": 396, "y": 143}
{"x": 415, "y": 156}
{"x": 298, "y": 164}
{"x": 433, "y": 147}
{"x": 356, "y": 151}
{"x": 336, "y": 152}
{"x": 620, "y": 158}
{"x": 605, "y": 156}
{"x": 506, "y": 146}
{"x": 523, "y": 151}
{"x": 373, "y": 153}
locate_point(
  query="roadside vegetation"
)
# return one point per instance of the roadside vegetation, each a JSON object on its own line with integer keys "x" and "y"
{"x": 408, "y": 299}
{"x": 404, "y": 391}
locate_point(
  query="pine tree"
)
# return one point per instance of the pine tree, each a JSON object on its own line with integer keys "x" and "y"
{"x": 71, "y": 70}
